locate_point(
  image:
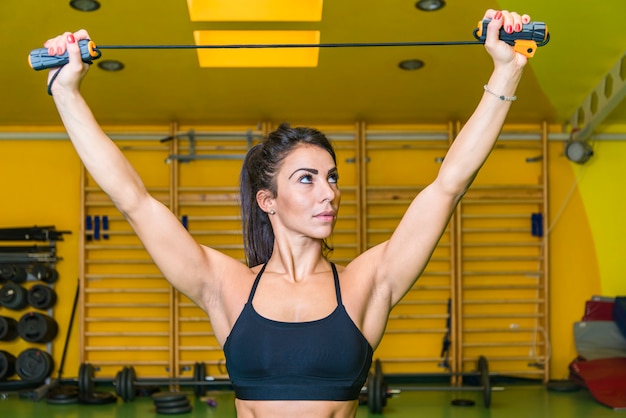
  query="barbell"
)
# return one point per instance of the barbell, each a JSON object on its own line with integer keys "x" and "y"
{"x": 126, "y": 381}
{"x": 377, "y": 391}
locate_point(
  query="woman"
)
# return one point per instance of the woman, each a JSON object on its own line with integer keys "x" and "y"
{"x": 298, "y": 332}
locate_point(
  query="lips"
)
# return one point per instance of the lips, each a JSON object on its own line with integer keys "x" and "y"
{"x": 326, "y": 216}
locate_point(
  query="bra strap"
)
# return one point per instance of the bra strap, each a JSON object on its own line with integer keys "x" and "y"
{"x": 256, "y": 283}
{"x": 337, "y": 289}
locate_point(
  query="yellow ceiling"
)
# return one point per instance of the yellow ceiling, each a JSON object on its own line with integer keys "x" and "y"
{"x": 348, "y": 84}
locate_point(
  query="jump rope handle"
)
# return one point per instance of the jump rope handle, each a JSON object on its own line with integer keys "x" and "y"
{"x": 532, "y": 35}
{"x": 39, "y": 59}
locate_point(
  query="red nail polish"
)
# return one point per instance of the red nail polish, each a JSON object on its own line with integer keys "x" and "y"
{"x": 509, "y": 29}
{"x": 498, "y": 15}
{"x": 70, "y": 38}
{"x": 518, "y": 27}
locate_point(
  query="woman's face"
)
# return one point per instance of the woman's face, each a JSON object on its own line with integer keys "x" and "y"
{"x": 308, "y": 196}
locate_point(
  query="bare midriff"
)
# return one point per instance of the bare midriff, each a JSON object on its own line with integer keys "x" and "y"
{"x": 299, "y": 409}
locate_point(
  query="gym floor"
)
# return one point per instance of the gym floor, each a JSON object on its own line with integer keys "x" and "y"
{"x": 511, "y": 402}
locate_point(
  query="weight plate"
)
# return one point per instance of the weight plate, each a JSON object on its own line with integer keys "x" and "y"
{"x": 63, "y": 392}
{"x": 562, "y": 386}
{"x": 117, "y": 383}
{"x": 483, "y": 370}
{"x": 41, "y": 297}
{"x": 199, "y": 375}
{"x": 62, "y": 400}
{"x": 131, "y": 378}
{"x": 171, "y": 404}
{"x": 36, "y": 327}
{"x": 34, "y": 365}
{"x": 8, "y": 328}
{"x": 86, "y": 373}
{"x": 172, "y": 411}
{"x": 13, "y": 272}
{"x": 7, "y": 365}
{"x": 462, "y": 402}
{"x": 13, "y": 296}
{"x": 123, "y": 387}
{"x": 97, "y": 398}
{"x": 168, "y": 396}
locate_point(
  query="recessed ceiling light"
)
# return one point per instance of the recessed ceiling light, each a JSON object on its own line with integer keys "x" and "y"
{"x": 85, "y": 5}
{"x": 430, "y": 5}
{"x": 110, "y": 65}
{"x": 411, "y": 65}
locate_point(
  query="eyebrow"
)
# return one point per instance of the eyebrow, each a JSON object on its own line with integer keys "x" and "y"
{"x": 313, "y": 171}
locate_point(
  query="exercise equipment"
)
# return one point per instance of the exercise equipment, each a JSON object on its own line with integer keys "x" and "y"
{"x": 41, "y": 296}
{"x": 7, "y": 365}
{"x": 13, "y": 272}
{"x": 37, "y": 327}
{"x": 13, "y": 296}
{"x": 532, "y": 35}
{"x": 126, "y": 382}
{"x": 170, "y": 403}
{"x": 34, "y": 365}
{"x": 377, "y": 390}
{"x": 8, "y": 328}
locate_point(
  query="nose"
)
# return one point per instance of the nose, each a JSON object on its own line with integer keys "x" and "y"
{"x": 328, "y": 192}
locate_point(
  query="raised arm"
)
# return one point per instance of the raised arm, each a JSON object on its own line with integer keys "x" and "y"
{"x": 182, "y": 261}
{"x": 398, "y": 262}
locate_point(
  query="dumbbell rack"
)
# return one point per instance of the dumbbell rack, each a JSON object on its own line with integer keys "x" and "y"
{"x": 27, "y": 275}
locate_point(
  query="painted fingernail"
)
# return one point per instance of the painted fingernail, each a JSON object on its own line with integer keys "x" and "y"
{"x": 70, "y": 38}
{"x": 509, "y": 29}
{"x": 498, "y": 15}
{"x": 518, "y": 27}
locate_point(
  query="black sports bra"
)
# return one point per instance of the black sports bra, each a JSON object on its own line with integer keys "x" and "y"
{"x": 325, "y": 359}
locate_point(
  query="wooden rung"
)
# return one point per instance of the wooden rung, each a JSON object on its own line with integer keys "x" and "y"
{"x": 118, "y": 261}
{"x": 524, "y": 216}
{"x": 502, "y": 258}
{"x": 503, "y": 315}
{"x": 502, "y": 301}
{"x": 500, "y": 244}
{"x": 422, "y": 302}
{"x": 493, "y": 359}
{"x": 194, "y": 319}
{"x": 509, "y": 201}
{"x": 503, "y": 287}
{"x": 99, "y": 363}
{"x": 114, "y": 247}
{"x": 435, "y": 360}
{"x": 122, "y": 276}
{"x": 127, "y": 305}
{"x": 215, "y": 232}
{"x": 126, "y": 290}
{"x": 420, "y": 316}
{"x": 196, "y": 334}
{"x": 501, "y": 330}
{"x": 417, "y": 331}
{"x": 200, "y": 348}
{"x": 524, "y": 230}
{"x": 126, "y": 348}
{"x": 533, "y": 274}
{"x": 505, "y": 344}
{"x": 126, "y": 319}
{"x": 126, "y": 334}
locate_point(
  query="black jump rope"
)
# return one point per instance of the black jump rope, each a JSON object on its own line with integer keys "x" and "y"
{"x": 526, "y": 41}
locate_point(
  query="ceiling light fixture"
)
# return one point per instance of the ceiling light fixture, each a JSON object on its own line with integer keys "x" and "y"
{"x": 430, "y": 5}
{"x": 85, "y": 5}
{"x": 111, "y": 65}
{"x": 412, "y": 64}
{"x": 578, "y": 152}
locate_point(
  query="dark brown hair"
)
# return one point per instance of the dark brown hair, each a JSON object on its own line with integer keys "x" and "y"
{"x": 257, "y": 173}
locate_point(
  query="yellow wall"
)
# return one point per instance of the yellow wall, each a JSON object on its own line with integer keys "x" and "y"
{"x": 40, "y": 185}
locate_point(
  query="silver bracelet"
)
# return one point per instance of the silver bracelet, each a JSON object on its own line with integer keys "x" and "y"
{"x": 501, "y": 97}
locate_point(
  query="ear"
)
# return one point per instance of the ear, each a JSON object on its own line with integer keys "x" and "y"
{"x": 265, "y": 200}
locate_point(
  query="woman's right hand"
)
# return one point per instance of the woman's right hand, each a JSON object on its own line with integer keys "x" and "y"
{"x": 74, "y": 71}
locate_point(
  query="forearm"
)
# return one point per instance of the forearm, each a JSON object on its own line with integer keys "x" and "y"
{"x": 102, "y": 158}
{"x": 478, "y": 136}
